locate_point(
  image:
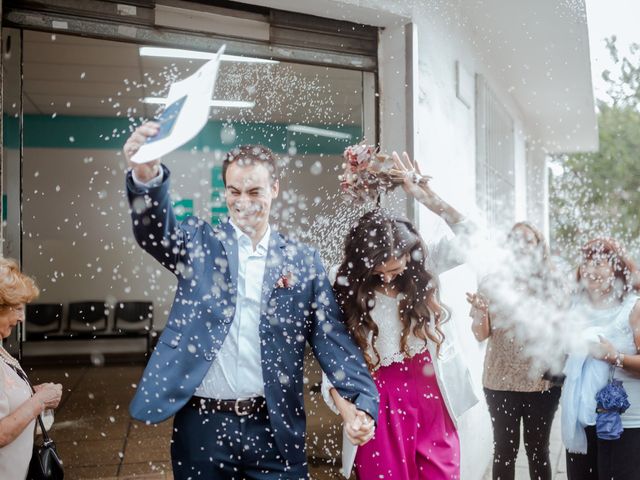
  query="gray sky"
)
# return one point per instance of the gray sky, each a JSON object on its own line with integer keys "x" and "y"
{"x": 606, "y": 18}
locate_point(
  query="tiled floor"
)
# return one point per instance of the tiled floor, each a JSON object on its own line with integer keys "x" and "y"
{"x": 97, "y": 439}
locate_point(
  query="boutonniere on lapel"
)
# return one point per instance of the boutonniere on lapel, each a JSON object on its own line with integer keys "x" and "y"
{"x": 286, "y": 280}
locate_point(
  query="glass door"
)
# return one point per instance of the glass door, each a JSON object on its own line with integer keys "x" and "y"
{"x": 11, "y": 157}
{"x": 82, "y": 98}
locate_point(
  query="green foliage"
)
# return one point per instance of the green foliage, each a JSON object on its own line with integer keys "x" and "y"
{"x": 623, "y": 86}
{"x": 598, "y": 194}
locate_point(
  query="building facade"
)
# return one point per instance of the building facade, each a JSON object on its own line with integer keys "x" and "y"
{"x": 479, "y": 92}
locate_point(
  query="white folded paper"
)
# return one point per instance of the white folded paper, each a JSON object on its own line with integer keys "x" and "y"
{"x": 185, "y": 114}
{"x": 348, "y": 454}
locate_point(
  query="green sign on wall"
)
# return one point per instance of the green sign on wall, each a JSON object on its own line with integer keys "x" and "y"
{"x": 218, "y": 204}
{"x": 78, "y": 132}
{"x": 183, "y": 208}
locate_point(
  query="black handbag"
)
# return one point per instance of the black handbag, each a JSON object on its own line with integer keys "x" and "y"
{"x": 45, "y": 462}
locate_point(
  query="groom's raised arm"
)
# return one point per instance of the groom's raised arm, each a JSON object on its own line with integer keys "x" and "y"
{"x": 155, "y": 227}
{"x": 338, "y": 355}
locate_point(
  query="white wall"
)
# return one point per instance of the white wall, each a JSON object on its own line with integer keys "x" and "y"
{"x": 538, "y": 188}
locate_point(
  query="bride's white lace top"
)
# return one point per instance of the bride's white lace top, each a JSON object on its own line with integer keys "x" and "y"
{"x": 385, "y": 314}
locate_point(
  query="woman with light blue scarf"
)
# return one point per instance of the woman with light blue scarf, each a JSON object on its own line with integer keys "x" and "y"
{"x": 608, "y": 310}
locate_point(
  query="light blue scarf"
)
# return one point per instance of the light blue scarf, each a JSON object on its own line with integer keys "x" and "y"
{"x": 585, "y": 375}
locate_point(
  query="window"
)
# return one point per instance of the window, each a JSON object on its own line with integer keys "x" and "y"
{"x": 495, "y": 157}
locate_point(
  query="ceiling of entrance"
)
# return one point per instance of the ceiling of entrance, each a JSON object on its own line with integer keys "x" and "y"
{"x": 69, "y": 75}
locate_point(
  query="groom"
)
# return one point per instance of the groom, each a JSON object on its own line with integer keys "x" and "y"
{"x": 229, "y": 363}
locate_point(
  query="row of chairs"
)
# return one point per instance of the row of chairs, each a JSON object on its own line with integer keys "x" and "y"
{"x": 88, "y": 320}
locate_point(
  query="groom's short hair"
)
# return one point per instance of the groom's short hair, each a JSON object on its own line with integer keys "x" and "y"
{"x": 251, "y": 155}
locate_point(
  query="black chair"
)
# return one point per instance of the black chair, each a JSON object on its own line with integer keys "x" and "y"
{"x": 43, "y": 318}
{"x": 134, "y": 318}
{"x": 88, "y": 317}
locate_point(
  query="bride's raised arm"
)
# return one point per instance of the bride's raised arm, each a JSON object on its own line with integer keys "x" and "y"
{"x": 417, "y": 185}
{"x": 444, "y": 254}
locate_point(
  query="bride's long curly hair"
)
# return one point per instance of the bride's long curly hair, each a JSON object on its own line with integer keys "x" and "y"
{"x": 375, "y": 238}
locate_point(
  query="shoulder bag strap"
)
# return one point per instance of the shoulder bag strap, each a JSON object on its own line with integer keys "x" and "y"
{"x": 22, "y": 375}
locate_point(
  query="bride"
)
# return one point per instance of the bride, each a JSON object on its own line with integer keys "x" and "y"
{"x": 387, "y": 287}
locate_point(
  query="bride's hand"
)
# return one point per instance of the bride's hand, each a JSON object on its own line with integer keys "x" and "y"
{"x": 408, "y": 173}
{"x": 358, "y": 425}
{"x": 414, "y": 183}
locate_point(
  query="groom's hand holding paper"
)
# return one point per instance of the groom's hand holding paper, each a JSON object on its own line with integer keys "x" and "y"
{"x": 143, "y": 172}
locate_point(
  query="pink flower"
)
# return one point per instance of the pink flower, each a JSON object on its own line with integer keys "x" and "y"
{"x": 365, "y": 175}
{"x": 285, "y": 280}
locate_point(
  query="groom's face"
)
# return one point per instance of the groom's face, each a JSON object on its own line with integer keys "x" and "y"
{"x": 249, "y": 193}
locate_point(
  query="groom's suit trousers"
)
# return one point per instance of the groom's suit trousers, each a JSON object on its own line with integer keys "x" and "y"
{"x": 225, "y": 446}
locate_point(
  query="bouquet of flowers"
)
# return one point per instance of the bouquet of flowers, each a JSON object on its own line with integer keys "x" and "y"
{"x": 367, "y": 173}
{"x": 612, "y": 401}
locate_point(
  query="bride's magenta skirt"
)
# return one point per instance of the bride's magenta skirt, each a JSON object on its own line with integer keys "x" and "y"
{"x": 415, "y": 437}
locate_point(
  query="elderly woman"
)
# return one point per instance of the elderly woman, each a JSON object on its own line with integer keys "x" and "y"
{"x": 19, "y": 407}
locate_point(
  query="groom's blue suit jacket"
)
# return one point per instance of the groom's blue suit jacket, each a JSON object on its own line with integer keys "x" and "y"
{"x": 205, "y": 261}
